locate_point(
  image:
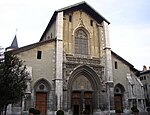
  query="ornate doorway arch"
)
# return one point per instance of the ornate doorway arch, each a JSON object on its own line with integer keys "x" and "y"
{"x": 83, "y": 87}
{"x": 42, "y": 90}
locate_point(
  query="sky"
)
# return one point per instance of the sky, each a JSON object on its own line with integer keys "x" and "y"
{"x": 129, "y": 28}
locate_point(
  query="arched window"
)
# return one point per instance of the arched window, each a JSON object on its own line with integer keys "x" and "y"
{"x": 81, "y": 42}
{"x": 119, "y": 89}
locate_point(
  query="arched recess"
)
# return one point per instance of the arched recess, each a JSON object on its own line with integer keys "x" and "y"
{"x": 89, "y": 73}
{"x": 83, "y": 28}
{"x": 42, "y": 91}
{"x": 118, "y": 97}
{"x": 83, "y": 90}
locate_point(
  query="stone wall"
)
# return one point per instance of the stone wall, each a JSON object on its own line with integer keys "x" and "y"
{"x": 81, "y": 19}
{"x": 42, "y": 69}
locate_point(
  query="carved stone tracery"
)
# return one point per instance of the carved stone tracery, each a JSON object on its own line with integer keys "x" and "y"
{"x": 72, "y": 63}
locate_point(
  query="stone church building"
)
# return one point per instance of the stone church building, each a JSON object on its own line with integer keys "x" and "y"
{"x": 72, "y": 68}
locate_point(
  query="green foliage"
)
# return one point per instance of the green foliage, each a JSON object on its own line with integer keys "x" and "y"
{"x": 60, "y": 112}
{"x": 34, "y": 111}
{"x": 86, "y": 112}
{"x": 118, "y": 111}
{"x": 134, "y": 109}
{"x": 12, "y": 80}
{"x": 31, "y": 110}
{"x": 148, "y": 109}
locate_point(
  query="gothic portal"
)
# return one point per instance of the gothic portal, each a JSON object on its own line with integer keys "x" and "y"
{"x": 83, "y": 90}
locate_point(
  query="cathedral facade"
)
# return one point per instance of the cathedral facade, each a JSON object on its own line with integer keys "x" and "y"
{"x": 72, "y": 67}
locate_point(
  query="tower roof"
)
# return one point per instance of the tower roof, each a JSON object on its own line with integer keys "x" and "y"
{"x": 14, "y": 44}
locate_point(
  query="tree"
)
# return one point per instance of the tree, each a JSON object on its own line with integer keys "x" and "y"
{"x": 13, "y": 77}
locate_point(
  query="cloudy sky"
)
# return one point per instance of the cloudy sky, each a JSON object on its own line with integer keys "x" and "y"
{"x": 129, "y": 28}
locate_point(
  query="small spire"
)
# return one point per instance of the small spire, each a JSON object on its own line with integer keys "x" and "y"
{"x": 14, "y": 44}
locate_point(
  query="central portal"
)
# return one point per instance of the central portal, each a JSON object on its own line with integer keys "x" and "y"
{"x": 81, "y": 97}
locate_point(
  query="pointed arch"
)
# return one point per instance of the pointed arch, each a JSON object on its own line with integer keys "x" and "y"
{"x": 42, "y": 85}
{"x": 81, "y": 41}
{"x": 89, "y": 85}
{"x": 88, "y": 72}
{"x": 119, "y": 89}
{"x": 83, "y": 28}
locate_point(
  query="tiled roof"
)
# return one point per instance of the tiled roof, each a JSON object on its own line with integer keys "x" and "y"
{"x": 31, "y": 46}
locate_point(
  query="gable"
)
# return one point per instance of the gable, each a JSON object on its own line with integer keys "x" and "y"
{"x": 86, "y": 8}
{"x": 82, "y": 6}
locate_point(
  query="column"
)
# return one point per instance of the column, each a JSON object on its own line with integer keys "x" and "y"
{"x": 59, "y": 60}
{"x": 108, "y": 67}
{"x": 100, "y": 41}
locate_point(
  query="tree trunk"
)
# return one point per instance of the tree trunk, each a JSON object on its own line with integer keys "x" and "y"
{"x": 5, "y": 109}
{"x": 1, "y": 111}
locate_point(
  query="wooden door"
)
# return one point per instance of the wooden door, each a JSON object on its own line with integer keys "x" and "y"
{"x": 118, "y": 102}
{"x": 76, "y": 103}
{"x": 88, "y": 101}
{"x": 41, "y": 103}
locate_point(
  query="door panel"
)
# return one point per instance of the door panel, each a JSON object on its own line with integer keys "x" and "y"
{"x": 118, "y": 102}
{"x": 41, "y": 102}
{"x": 76, "y": 103}
{"x": 81, "y": 101}
{"x": 76, "y": 109}
{"x": 88, "y": 102}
